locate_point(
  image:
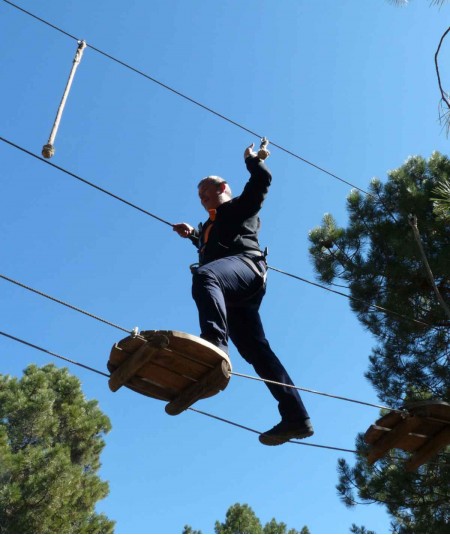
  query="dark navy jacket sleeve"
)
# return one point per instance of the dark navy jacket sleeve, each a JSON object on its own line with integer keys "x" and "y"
{"x": 236, "y": 226}
{"x": 250, "y": 201}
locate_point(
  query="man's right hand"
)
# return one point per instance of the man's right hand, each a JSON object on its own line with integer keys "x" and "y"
{"x": 183, "y": 229}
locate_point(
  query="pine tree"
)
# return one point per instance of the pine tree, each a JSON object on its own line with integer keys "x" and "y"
{"x": 384, "y": 263}
{"x": 240, "y": 518}
{"x": 50, "y": 444}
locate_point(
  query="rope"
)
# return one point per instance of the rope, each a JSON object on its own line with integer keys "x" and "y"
{"x": 191, "y": 100}
{"x": 230, "y": 422}
{"x": 146, "y": 212}
{"x": 259, "y": 433}
{"x": 194, "y": 410}
{"x": 38, "y": 292}
{"x": 210, "y": 110}
{"x": 316, "y": 392}
{"x": 377, "y": 307}
{"x": 53, "y": 354}
{"x": 87, "y": 182}
{"x": 68, "y": 305}
{"x": 48, "y": 150}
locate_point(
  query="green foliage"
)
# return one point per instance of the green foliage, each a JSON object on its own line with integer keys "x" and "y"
{"x": 50, "y": 444}
{"x": 240, "y": 518}
{"x": 377, "y": 257}
{"x": 379, "y": 261}
{"x": 359, "y": 529}
{"x": 442, "y": 201}
{"x": 406, "y": 2}
{"x": 188, "y": 529}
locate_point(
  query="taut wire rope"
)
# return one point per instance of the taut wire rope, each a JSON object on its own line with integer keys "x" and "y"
{"x": 38, "y": 348}
{"x": 154, "y": 216}
{"x": 230, "y": 422}
{"x": 94, "y": 370}
{"x": 193, "y": 101}
{"x": 210, "y": 110}
{"x": 87, "y": 182}
{"x": 267, "y": 381}
{"x": 59, "y": 301}
{"x": 259, "y": 432}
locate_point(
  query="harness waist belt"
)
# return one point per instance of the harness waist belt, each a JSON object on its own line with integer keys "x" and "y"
{"x": 255, "y": 265}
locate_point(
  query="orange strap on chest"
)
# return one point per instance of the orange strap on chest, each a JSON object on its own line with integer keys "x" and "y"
{"x": 212, "y": 218}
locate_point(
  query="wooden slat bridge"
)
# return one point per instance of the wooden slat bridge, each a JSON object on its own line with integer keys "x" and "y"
{"x": 169, "y": 365}
{"x": 423, "y": 429}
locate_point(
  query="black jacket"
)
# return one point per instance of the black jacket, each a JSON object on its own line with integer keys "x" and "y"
{"x": 236, "y": 226}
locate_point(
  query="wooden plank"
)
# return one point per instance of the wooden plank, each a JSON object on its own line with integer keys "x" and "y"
{"x": 429, "y": 449}
{"x": 189, "y": 345}
{"x": 191, "y": 359}
{"x": 184, "y": 363}
{"x": 211, "y": 383}
{"x": 390, "y": 440}
{"x": 146, "y": 388}
{"x": 375, "y": 432}
{"x": 129, "y": 367}
{"x": 164, "y": 377}
{"x": 432, "y": 410}
{"x": 126, "y": 348}
{"x": 178, "y": 363}
{"x": 128, "y": 345}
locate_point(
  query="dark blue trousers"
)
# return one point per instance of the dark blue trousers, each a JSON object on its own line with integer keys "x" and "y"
{"x": 228, "y": 294}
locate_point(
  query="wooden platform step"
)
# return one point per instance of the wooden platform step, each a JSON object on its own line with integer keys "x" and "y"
{"x": 423, "y": 429}
{"x": 169, "y": 365}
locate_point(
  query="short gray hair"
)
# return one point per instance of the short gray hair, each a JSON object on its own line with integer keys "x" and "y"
{"x": 215, "y": 180}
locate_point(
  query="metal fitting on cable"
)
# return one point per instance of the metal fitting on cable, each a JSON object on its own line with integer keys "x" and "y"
{"x": 263, "y": 153}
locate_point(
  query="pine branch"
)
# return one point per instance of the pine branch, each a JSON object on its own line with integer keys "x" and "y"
{"x": 444, "y": 97}
{"x": 413, "y": 223}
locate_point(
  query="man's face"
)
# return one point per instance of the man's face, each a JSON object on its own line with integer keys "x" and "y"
{"x": 209, "y": 194}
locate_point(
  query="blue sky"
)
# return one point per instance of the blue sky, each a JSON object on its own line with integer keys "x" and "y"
{"x": 348, "y": 85}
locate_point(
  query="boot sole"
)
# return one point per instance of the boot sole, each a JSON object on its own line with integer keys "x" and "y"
{"x": 275, "y": 440}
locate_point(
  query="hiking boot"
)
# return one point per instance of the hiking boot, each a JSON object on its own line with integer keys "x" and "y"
{"x": 285, "y": 430}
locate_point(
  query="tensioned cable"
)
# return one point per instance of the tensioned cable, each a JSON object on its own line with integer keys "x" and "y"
{"x": 235, "y": 424}
{"x": 146, "y": 212}
{"x": 192, "y": 409}
{"x": 245, "y": 376}
{"x": 53, "y": 354}
{"x": 103, "y": 190}
{"x": 59, "y": 301}
{"x": 170, "y": 224}
{"x": 377, "y": 307}
{"x": 259, "y": 432}
{"x": 193, "y": 101}
{"x": 68, "y": 305}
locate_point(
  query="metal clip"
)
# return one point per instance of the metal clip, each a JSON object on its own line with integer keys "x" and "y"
{"x": 263, "y": 153}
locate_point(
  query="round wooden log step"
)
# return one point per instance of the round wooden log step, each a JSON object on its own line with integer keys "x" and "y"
{"x": 423, "y": 429}
{"x": 169, "y": 365}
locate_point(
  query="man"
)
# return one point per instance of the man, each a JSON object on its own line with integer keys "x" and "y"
{"x": 229, "y": 285}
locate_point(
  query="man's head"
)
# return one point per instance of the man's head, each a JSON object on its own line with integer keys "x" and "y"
{"x": 213, "y": 191}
